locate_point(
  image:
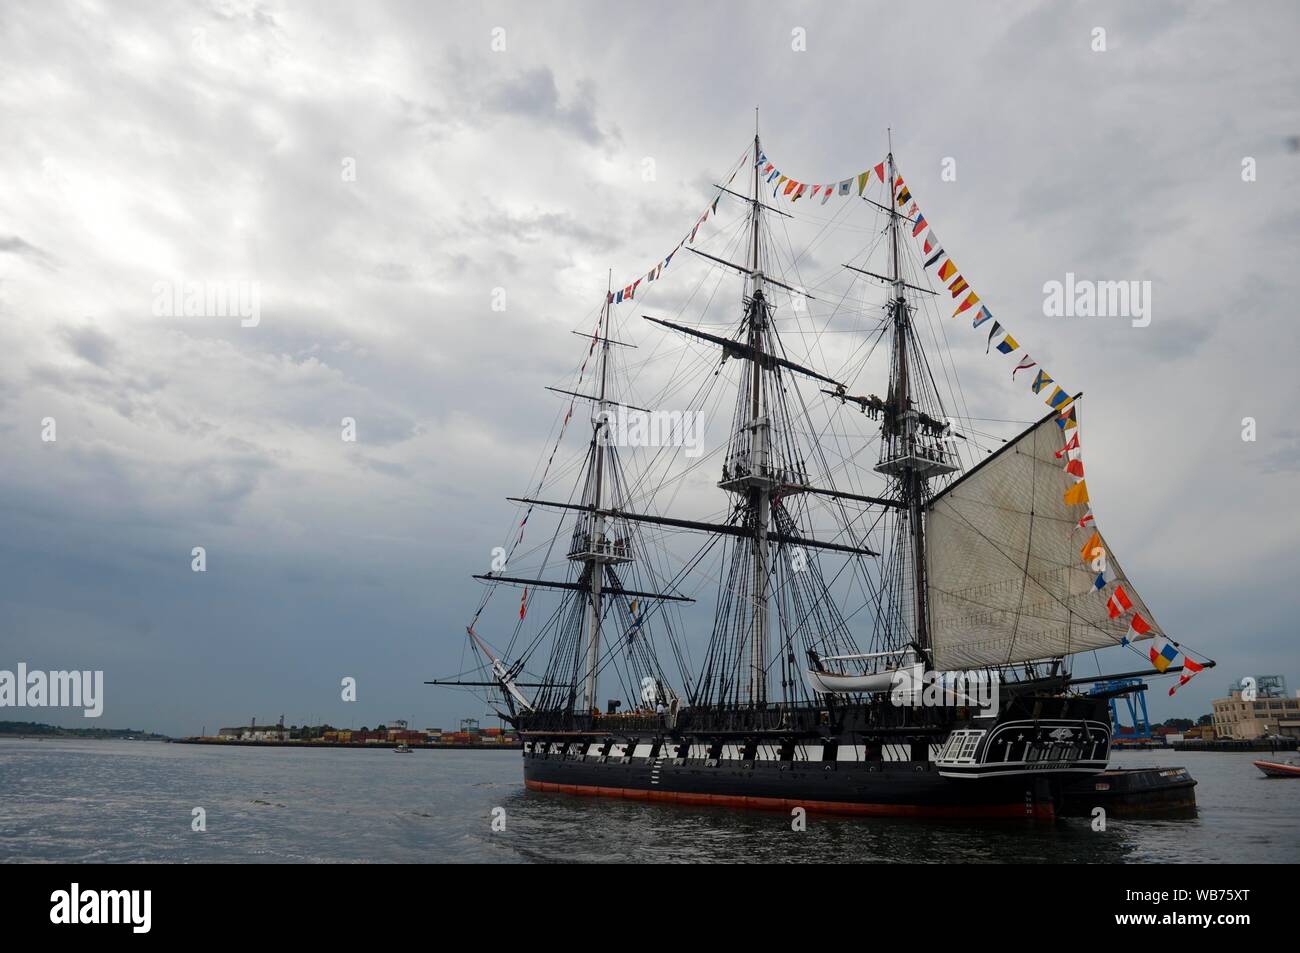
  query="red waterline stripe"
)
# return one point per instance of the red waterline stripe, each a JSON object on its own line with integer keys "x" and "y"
{"x": 1039, "y": 811}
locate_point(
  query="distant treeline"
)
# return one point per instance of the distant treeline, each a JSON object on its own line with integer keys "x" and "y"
{"x": 37, "y": 728}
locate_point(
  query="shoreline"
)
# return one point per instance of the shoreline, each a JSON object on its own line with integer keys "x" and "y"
{"x": 473, "y": 746}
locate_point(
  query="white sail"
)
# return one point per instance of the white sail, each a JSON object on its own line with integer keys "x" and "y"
{"x": 1005, "y": 574}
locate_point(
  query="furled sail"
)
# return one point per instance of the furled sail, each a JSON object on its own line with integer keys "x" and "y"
{"x": 1006, "y": 577}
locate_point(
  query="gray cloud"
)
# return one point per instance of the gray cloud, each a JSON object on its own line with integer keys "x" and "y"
{"x": 90, "y": 344}
{"x": 208, "y": 143}
{"x": 15, "y": 245}
{"x": 534, "y": 95}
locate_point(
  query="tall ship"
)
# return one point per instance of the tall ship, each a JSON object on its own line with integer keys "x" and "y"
{"x": 740, "y": 577}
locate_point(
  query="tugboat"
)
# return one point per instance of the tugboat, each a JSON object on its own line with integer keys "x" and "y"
{"x": 894, "y": 612}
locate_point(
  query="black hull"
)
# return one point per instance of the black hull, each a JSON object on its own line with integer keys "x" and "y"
{"x": 899, "y": 788}
{"x": 876, "y": 758}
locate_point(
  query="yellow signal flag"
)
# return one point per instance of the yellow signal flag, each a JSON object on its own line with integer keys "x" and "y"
{"x": 1077, "y": 494}
{"x": 947, "y": 270}
{"x": 1089, "y": 551}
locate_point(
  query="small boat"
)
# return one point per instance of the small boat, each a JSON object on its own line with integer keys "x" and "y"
{"x": 1132, "y": 792}
{"x": 1279, "y": 769}
{"x": 841, "y": 683}
{"x": 403, "y": 748}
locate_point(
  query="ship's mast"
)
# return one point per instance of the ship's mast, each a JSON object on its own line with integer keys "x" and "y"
{"x": 595, "y": 567}
{"x": 757, "y": 466}
{"x": 905, "y": 459}
{"x": 759, "y": 491}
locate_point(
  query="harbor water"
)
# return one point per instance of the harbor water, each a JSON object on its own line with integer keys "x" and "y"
{"x": 125, "y": 801}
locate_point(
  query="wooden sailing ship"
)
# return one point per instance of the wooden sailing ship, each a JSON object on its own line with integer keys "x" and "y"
{"x": 839, "y": 576}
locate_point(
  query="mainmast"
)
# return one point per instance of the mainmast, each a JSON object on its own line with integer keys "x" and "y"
{"x": 762, "y": 483}
{"x": 762, "y": 462}
{"x": 595, "y": 564}
{"x": 905, "y": 454}
{"x": 749, "y": 471}
{"x": 911, "y": 481}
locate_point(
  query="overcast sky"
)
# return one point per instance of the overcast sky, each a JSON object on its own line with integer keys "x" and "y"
{"x": 208, "y": 142}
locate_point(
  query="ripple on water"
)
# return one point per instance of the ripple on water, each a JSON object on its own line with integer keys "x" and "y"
{"x": 118, "y": 801}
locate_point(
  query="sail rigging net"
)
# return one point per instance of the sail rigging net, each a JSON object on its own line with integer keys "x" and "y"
{"x": 1007, "y": 579}
{"x": 843, "y": 545}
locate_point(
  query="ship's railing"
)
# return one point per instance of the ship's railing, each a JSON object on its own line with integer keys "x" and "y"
{"x": 629, "y": 721}
{"x": 738, "y": 466}
{"x": 611, "y": 542}
{"x": 564, "y": 720}
{"x": 795, "y": 720}
{"x": 812, "y": 719}
{"x": 600, "y": 546}
{"x": 939, "y": 454}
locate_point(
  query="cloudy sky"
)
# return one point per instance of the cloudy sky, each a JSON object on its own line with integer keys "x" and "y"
{"x": 161, "y": 142}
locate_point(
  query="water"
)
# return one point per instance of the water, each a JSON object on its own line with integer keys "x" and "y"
{"x": 123, "y": 801}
